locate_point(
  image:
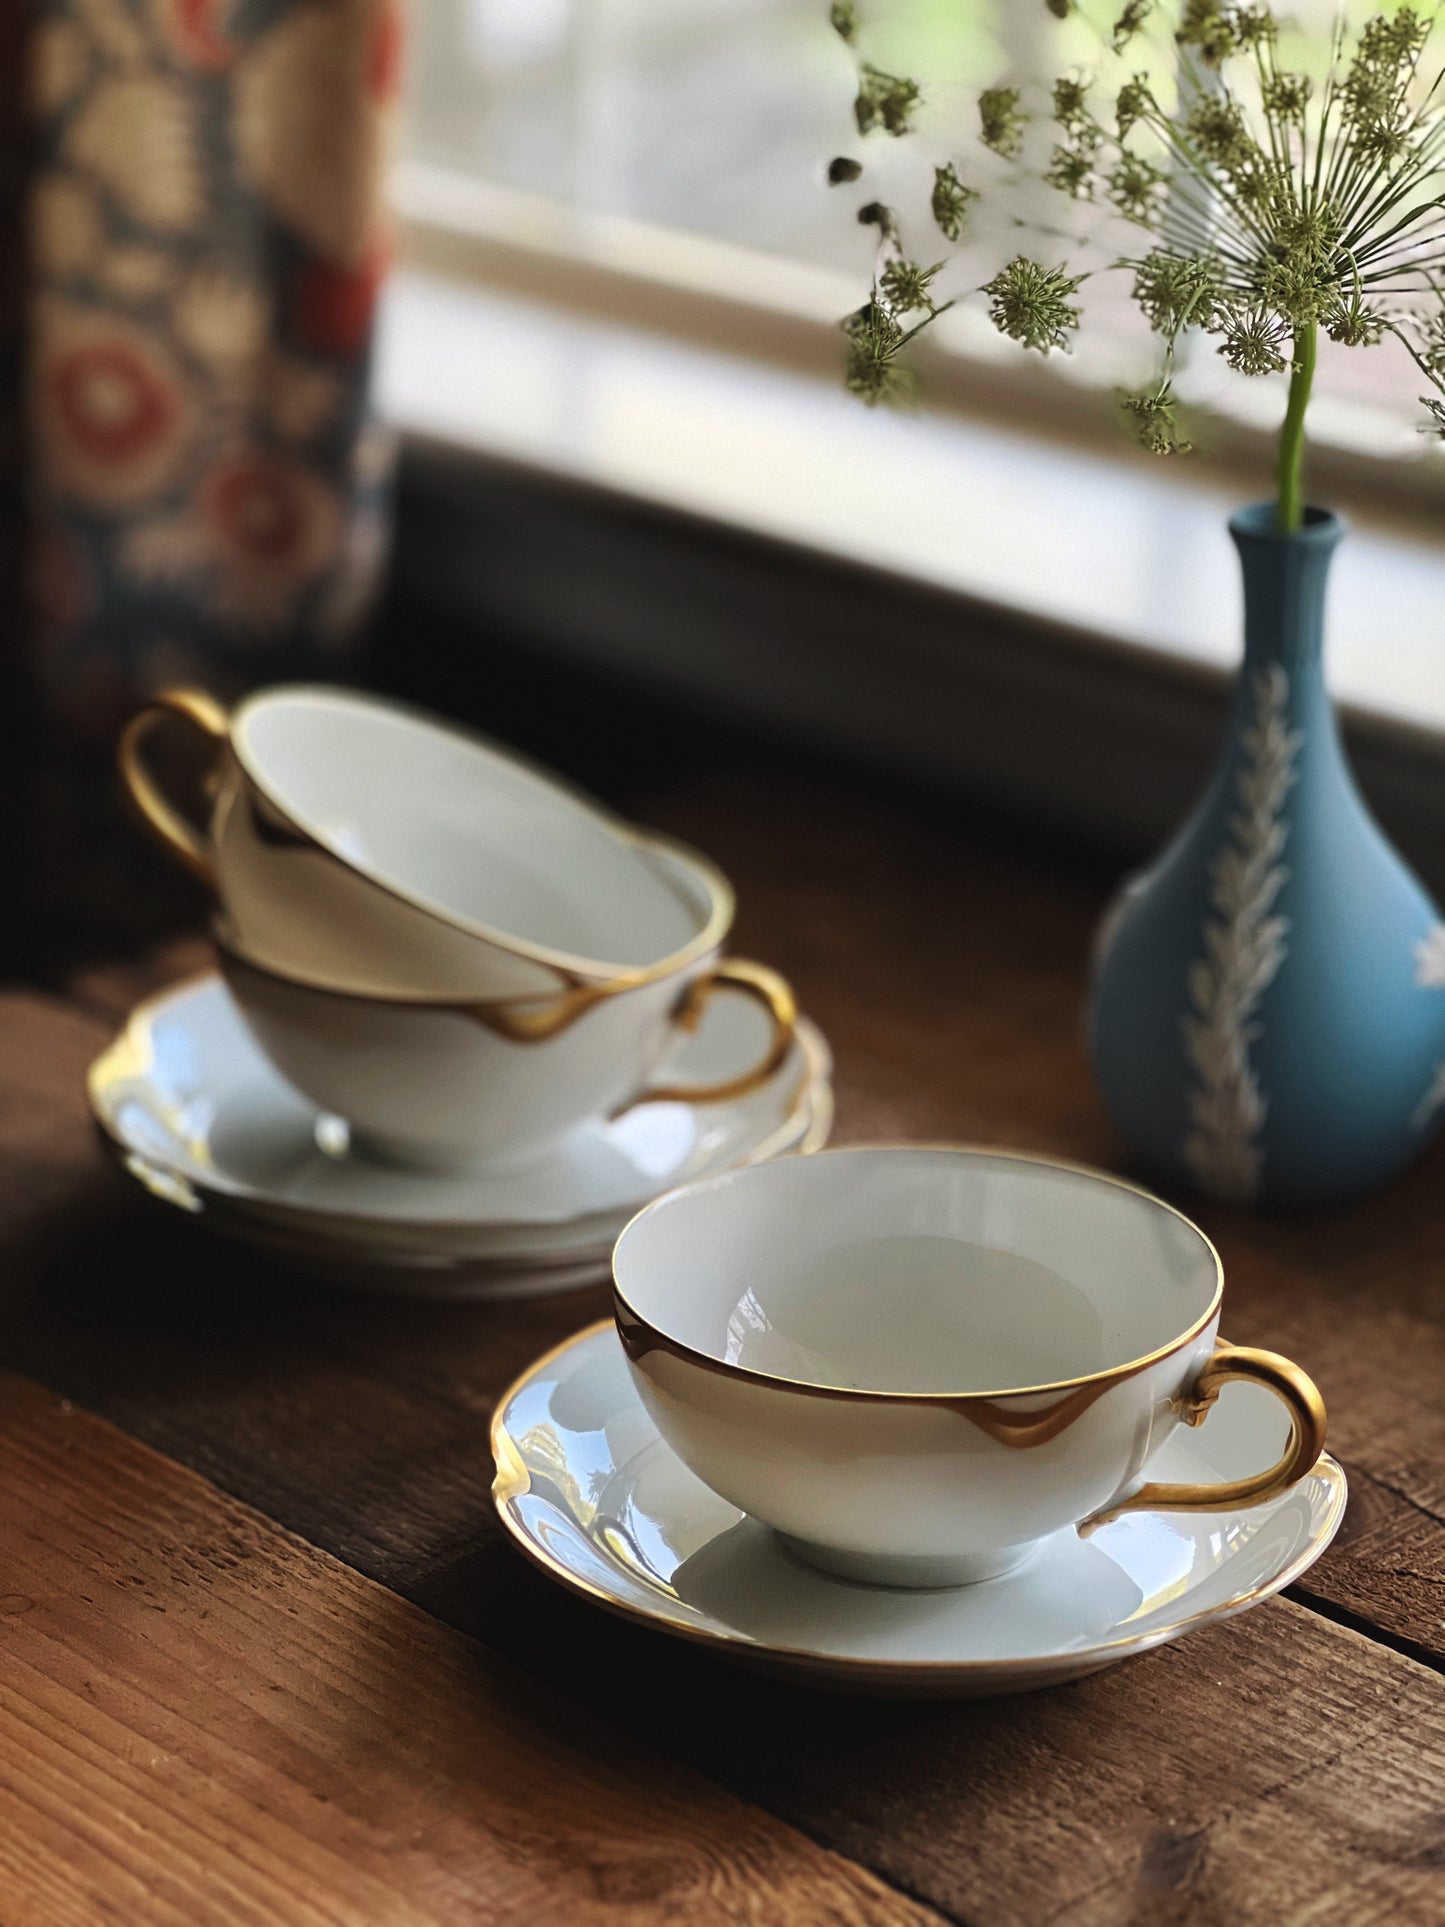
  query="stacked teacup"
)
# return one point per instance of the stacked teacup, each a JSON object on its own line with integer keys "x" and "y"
{"x": 438, "y": 943}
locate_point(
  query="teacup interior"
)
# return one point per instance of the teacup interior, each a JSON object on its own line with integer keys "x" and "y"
{"x": 917, "y": 1271}
{"x": 462, "y": 829}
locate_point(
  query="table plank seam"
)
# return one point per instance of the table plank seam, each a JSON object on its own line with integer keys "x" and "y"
{"x": 1355, "y": 1622}
{"x": 1192, "y": 1845}
{"x": 1396, "y": 1491}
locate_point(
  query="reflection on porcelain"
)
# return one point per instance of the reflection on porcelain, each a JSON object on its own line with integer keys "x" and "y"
{"x": 588, "y": 1490}
{"x": 438, "y": 1083}
{"x": 356, "y": 842}
{"x": 198, "y": 1116}
{"x": 916, "y": 1363}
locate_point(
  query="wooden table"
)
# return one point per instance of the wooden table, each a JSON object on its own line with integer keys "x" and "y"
{"x": 265, "y": 1656}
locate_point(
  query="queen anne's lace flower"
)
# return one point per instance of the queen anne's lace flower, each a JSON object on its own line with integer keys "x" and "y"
{"x": 1254, "y": 343}
{"x": 951, "y": 201}
{"x": 1154, "y": 417}
{"x": 1282, "y": 201}
{"x": 1001, "y": 121}
{"x": 1029, "y": 303}
{"x": 885, "y": 100}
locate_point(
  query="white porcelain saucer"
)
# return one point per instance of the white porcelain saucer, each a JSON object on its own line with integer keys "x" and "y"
{"x": 195, "y": 1112}
{"x": 589, "y": 1491}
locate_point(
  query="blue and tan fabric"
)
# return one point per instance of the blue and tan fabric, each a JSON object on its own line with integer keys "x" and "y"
{"x": 207, "y": 239}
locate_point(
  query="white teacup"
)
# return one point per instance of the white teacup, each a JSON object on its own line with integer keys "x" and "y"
{"x": 916, "y": 1363}
{"x": 440, "y": 1082}
{"x": 352, "y": 841}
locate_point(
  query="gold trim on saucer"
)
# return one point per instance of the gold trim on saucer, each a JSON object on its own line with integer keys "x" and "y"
{"x": 640, "y": 1335}
{"x": 513, "y": 1482}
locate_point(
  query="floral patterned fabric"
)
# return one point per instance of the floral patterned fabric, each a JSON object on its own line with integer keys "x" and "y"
{"x": 207, "y": 240}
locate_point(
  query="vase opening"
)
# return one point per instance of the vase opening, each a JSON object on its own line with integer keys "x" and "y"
{"x": 1259, "y": 523}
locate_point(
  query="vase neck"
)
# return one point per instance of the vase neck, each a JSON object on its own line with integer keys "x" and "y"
{"x": 1285, "y": 578}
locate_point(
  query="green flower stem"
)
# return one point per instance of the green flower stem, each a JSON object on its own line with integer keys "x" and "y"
{"x": 1290, "y": 511}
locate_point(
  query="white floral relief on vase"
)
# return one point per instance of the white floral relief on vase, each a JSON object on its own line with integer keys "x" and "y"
{"x": 1430, "y": 975}
{"x": 1245, "y": 942}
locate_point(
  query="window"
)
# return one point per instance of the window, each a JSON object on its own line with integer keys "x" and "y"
{"x": 714, "y": 119}
{"x": 575, "y": 168}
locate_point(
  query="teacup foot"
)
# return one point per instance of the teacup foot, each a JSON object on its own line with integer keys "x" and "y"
{"x": 913, "y": 1571}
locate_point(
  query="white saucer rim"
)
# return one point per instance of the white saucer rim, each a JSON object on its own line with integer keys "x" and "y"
{"x": 309, "y": 1242}
{"x": 311, "y": 1247}
{"x": 512, "y": 1482}
{"x": 313, "y": 1228}
{"x": 813, "y": 1094}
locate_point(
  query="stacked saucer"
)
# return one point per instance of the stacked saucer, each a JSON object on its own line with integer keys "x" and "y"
{"x": 413, "y": 1072}
{"x": 197, "y": 1114}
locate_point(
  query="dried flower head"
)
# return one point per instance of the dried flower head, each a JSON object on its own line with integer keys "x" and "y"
{"x": 1030, "y": 303}
{"x": 1071, "y": 103}
{"x": 843, "y": 15}
{"x": 904, "y": 285}
{"x": 1137, "y": 188}
{"x": 1216, "y": 126}
{"x": 1254, "y": 343}
{"x": 872, "y": 370}
{"x": 1208, "y": 28}
{"x": 878, "y": 214}
{"x": 1133, "y": 104}
{"x": 1154, "y": 417}
{"x": 1175, "y": 291}
{"x": 951, "y": 201}
{"x": 1071, "y": 170}
{"x": 885, "y": 100}
{"x": 1354, "y": 324}
{"x": 1253, "y": 27}
{"x": 1286, "y": 97}
{"x": 1129, "y": 23}
{"x": 1283, "y": 201}
{"x": 1431, "y": 349}
{"x": 1001, "y": 121}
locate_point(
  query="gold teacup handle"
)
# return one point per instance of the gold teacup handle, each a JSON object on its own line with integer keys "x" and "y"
{"x": 1301, "y": 1398}
{"x": 765, "y": 987}
{"x": 188, "y": 841}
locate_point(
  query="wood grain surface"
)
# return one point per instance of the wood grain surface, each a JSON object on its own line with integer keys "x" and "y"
{"x": 1286, "y": 1766}
{"x": 202, "y": 1719}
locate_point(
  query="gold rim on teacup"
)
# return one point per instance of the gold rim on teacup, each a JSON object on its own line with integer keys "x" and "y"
{"x": 533, "y": 1020}
{"x": 659, "y": 1340}
{"x": 190, "y": 843}
{"x": 988, "y": 1410}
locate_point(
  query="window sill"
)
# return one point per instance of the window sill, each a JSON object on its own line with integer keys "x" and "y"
{"x": 896, "y": 558}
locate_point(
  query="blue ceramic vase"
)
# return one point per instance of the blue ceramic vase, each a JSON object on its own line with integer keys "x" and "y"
{"x": 1268, "y": 1010}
